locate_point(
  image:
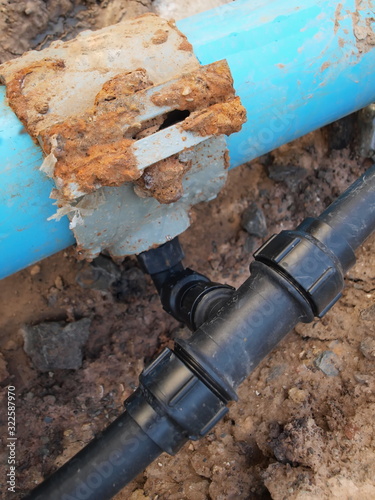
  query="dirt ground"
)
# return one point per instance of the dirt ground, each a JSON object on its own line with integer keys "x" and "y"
{"x": 304, "y": 424}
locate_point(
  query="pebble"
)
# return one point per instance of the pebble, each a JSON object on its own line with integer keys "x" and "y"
{"x": 35, "y": 270}
{"x": 49, "y": 399}
{"x": 101, "y": 274}
{"x": 250, "y": 244}
{"x": 367, "y": 348}
{"x": 254, "y": 221}
{"x": 290, "y": 174}
{"x": 56, "y": 346}
{"x": 362, "y": 378}
{"x": 327, "y": 362}
{"x": 59, "y": 284}
{"x": 368, "y": 314}
{"x": 52, "y": 296}
{"x": 131, "y": 284}
{"x": 298, "y": 395}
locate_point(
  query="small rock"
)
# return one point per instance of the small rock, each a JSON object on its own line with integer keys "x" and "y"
{"x": 253, "y": 221}
{"x": 327, "y": 362}
{"x": 289, "y": 174}
{"x": 276, "y": 371}
{"x": 56, "y": 346}
{"x": 366, "y": 380}
{"x": 250, "y": 244}
{"x": 301, "y": 443}
{"x": 368, "y": 348}
{"x": 52, "y": 296}
{"x": 68, "y": 433}
{"x": 29, "y": 8}
{"x": 138, "y": 495}
{"x": 341, "y": 132}
{"x": 50, "y": 399}
{"x": 101, "y": 274}
{"x": 48, "y": 420}
{"x": 35, "y": 270}
{"x": 131, "y": 284}
{"x": 368, "y": 314}
{"x": 298, "y": 395}
{"x": 59, "y": 284}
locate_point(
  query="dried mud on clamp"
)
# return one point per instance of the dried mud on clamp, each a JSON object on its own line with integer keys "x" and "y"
{"x": 94, "y": 146}
{"x": 132, "y": 128}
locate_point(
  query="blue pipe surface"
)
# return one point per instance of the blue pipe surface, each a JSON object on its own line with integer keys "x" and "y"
{"x": 25, "y": 234}
{"x": 296, "y": 66}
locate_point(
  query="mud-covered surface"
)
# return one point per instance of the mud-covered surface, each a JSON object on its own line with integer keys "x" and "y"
{"x": 34, "y": 24}
{"x": 90, "y": 137}
{"x": 222, "y": 118}
{"x": 74, "y": 98}
{"x": 163, "y": 180}
{"x": 303, "y": 427}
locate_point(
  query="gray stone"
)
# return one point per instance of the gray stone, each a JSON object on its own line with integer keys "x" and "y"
{"x": 250, "y": 244}
{"x": 368, "y": 348}
{"x": 328, "y": 363}
{"x": 290, "y": 174}
{"x": 101, "y": 274}
{"x": 368, "y": 314}
{"x": 56, "y": 346}
{"x": 253, "y": 221}
{"x": 131, "y": 284}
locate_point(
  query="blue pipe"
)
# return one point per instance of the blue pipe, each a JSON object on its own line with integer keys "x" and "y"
{"x": 25, "y": 234}
{"x": 296, "y": 66}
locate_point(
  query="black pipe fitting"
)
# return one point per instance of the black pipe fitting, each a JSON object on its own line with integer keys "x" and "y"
{"x": 185, "y": 294}
{"x": 184, "y": 392}
{"x": 309, "y": 263}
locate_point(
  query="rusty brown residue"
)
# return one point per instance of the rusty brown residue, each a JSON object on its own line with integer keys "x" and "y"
{"x": 124, "y": 84}
{"x": 105, "y": 164}
{"x": 338, "y": 17}
{"x": 363, "y": 30}
{"x": 223, "y": 118}
{"x": 226, "y": 160}
{"x": 89, "y": 155}
{"x": 163, "y": 180}
{"x": 199, "y": 89}
{"x": 325, "y": 66}
{"x": 20, "y": 103}
{"x": 185, "y": 45}
{"x": 160, "y": 36}
{"x": 95, "y": 148}
{"x": 91, "y": 134}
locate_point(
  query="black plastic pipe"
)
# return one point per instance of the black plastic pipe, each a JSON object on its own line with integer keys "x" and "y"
{"x": 104, "y": 466}
{"x": 296, "y": 275}
{"x": 353, "y": 213}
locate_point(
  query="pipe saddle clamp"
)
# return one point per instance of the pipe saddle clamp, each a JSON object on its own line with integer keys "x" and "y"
{"x": 132, "y": 127}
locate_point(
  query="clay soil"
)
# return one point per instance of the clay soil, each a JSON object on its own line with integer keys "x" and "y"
{"x": 300, "y": 430}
